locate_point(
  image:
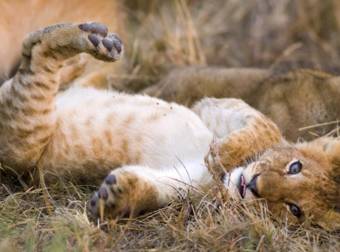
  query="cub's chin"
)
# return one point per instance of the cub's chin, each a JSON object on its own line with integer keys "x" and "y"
{"x": 237, "y": 184}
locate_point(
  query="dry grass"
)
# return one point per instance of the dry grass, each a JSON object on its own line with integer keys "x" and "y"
{"x": 192, "y": 223}
{"x": 280, "y": 34}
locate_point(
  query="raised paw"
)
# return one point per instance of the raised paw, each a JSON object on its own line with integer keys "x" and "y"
{"x": 123, "y": 194}
{"x": 62, "y": 41}
{"x": 107, "y": 44}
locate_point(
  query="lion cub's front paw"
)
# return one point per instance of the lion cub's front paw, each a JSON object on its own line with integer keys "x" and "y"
{"x": 105, "y": 44}
{"x": 123, "y": 193}
{"x": 62, "y": 41}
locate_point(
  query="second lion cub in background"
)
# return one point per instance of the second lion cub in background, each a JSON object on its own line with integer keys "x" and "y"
{"x": 293, "y": 100}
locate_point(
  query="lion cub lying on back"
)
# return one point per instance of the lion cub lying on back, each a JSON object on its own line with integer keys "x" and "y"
{"x": 155, "y": 148}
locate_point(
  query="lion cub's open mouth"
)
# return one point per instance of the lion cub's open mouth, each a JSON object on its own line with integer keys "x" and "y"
{"x": 242, "y": 186}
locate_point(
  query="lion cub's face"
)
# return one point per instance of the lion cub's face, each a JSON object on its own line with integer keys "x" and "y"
{"x": 298, "y": 182}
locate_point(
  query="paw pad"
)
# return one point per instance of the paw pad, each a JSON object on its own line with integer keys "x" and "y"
{"x": 103, "y": 194}
{"x": 111, "y": 179}
{"x": 94, "y": 200}
{"x": 118, "y": 45}
{"x": 113, "y": 199}
{"x": 94, "y": 40}
{"x": 107, "y": 46}
{"x": 94, "y": 28}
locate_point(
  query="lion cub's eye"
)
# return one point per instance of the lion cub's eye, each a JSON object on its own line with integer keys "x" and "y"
{"x": 295, "y": 167}
{"x": 295, "y": 210}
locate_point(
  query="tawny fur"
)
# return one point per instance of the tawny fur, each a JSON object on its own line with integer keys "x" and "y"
{"x": 293, "y": 100}
{"x": 158, "y": 149}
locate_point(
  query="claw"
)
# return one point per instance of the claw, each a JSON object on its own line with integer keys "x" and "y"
{"x": 101, "y": 209}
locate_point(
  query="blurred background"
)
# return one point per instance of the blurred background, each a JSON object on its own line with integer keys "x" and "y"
{"x": 162, "y": 35}
{"x": 279, "y": 34}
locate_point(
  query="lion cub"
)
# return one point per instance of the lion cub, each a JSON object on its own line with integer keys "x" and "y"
{"x": 151, "y": 149}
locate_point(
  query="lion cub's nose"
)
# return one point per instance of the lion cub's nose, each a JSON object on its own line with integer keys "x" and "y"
{"x": 252, "y": 185}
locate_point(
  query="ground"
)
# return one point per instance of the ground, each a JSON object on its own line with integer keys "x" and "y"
{"x": 195, "y": 223}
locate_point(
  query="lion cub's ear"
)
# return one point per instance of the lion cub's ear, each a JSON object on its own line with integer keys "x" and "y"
{"x": 327, "y": 151}
{"x": 331, "y": 147}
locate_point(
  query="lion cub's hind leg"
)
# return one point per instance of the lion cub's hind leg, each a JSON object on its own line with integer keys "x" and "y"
{"x": 27, "y": 102}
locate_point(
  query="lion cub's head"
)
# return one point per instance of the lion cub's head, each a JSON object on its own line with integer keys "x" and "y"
{"x": 300, "y": 182}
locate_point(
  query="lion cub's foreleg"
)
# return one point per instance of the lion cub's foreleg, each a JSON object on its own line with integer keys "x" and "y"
{"x": 240, "y": 132}
{"x": 27, "y": 102}
{"x": 131, "y": 190}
